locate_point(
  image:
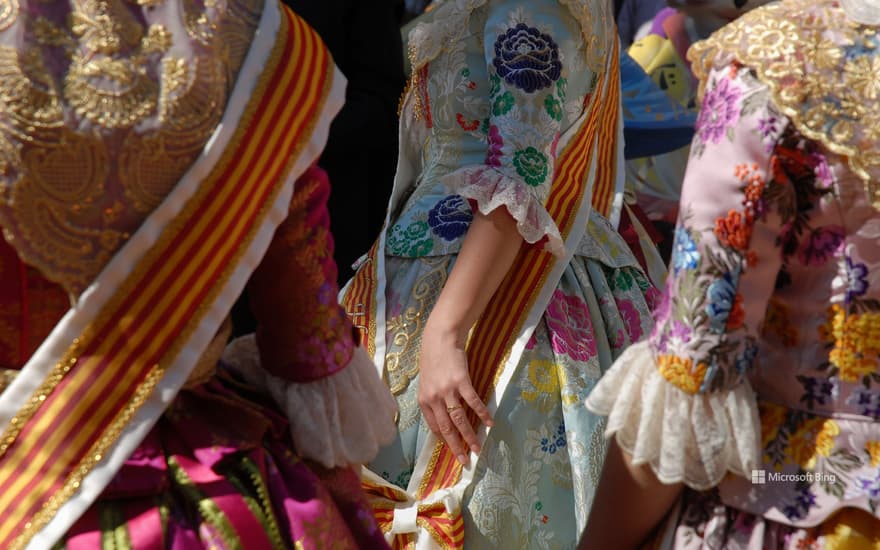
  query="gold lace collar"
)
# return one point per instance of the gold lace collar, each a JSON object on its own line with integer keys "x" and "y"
{"x": 823, "y": 71}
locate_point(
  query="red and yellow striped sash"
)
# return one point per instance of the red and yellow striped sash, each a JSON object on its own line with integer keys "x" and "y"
{"x": 108, "y": 372}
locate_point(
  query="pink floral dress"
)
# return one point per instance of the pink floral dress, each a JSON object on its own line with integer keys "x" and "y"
{"x": 761, "y": 380}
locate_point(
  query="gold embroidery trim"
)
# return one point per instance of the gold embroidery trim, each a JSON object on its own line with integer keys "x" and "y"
{"x": 402, "y": 366}
{"x": 122, "y": 89}
{"x": 830, "y": 90}
{"x": 8, "y": 13}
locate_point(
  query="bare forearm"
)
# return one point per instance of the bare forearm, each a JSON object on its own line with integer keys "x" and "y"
{"x": 630, "y": 501}
{"x": 486, "y": 255}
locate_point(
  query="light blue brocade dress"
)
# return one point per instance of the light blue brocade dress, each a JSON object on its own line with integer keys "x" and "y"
{"x": 497, "y": 85}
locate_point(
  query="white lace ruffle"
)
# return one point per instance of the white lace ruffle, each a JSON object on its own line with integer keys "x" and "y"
{"x": 491, "y": 189}
{"x": 339, "y": 420}
{"x": 691, "y": 438}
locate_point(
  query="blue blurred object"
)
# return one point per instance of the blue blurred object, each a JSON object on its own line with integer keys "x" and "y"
{"x": 653, "y": 123}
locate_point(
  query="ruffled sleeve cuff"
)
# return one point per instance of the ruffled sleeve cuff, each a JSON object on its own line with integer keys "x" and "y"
{"x": 691, "y": 438}
{"x": 489, "y": 189}
{"x": 339, "y": 420}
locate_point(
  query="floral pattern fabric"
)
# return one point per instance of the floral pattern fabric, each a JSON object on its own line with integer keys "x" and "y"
{"x": 482, "y": 132}
{"x": 702, "y": 521}
{"x": 537, "y": 473}
{"x": 775, "y": 286}
{"x": 490, "y": 114}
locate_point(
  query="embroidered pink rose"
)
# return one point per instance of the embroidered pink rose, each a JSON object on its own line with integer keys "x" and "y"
{"x": 821, "y": 245}
{"x": 632, "y": 319}
{"x": 493, "y": 156}
{"x": 653, "y": 297}
{"x": 720, "y": 111}
{"x": 533, "y": 341}
{"x": 570, "y": 327}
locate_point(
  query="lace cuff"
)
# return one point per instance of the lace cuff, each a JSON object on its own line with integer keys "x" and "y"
{"x": 491, "y": 189}
{"x": 336, "y": 421}
{"x": 689, "y": 438}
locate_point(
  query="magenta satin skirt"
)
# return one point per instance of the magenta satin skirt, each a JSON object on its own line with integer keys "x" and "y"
{"x": 219, "y": 471}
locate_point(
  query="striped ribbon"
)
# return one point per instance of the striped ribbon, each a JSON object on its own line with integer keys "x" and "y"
{"x": 107, "y": 373}
{"x": 445, "y": 527}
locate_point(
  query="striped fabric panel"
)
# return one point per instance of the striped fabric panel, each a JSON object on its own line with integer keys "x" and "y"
{"x": 113, "y": 367}
{"x": 606, "y": 176}
{"x": 359, "y": 301}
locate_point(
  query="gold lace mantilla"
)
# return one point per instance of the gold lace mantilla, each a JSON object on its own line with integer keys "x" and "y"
{"x": 823, "y": 71}
{"x": 104, "y": 104}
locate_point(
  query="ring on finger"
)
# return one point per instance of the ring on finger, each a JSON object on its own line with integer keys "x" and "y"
{"x": 453, "y": 408}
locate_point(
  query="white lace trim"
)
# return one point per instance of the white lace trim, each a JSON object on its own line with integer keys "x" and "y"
{"x": 695, "y": 439}
{"x": 491, "y": 189}
{"x": 336, "y": 421}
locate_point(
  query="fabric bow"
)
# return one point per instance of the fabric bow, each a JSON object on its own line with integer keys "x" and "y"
{"x": 401, "y": 517}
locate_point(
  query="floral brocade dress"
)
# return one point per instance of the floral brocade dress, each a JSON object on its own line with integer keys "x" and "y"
{"x": 759, "y": 387}
{"x": 480, "y": 129}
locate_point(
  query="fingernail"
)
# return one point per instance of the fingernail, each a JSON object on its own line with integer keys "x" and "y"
{"x": 475, "y": 449}
{"x": 463, "y": 459}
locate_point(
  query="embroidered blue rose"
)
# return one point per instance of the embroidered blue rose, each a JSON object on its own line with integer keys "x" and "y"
{"x": 856, "y": 279}
{"x": 816, "y": 390}
{"x": 869, "y": 487}
{"x": 555, "y": 442}
{"x": 560, "y": 436}
{"x": 450, "y": 218}
{"x": 745, "y": 359}
{"x": 867, "y": 401}
{"x": 804, "y": 500}
{"x": 721, "y": 296}
{"x": 684, "y": 251}
{"x": 527, "y": 58}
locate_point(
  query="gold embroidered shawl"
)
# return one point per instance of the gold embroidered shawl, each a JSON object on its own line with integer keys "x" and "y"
{"x": 85, "y": 81}
{"x": 822, "y": 69}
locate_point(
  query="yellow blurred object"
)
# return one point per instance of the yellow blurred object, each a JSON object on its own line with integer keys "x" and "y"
{"x": 850, "y": 529}
{"x": 658, "y": 57}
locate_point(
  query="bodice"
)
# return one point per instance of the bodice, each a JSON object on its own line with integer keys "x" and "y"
{"x": 502, "y": 77}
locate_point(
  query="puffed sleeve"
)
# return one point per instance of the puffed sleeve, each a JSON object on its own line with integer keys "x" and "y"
{"x": 340, "y": 411}
{"x": 530, "y": 49}
{"x": 680, "y": 401}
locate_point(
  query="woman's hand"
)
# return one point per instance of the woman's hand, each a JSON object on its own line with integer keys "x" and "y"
{"x": 445, "y": 390}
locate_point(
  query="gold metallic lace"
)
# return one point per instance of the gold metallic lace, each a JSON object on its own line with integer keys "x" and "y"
{"x": 823, "y": 71}
{"x": 102, "y": 110}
